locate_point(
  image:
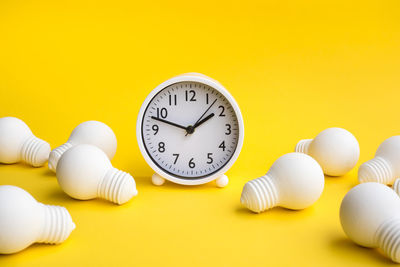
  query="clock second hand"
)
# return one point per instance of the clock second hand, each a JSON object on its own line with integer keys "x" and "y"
{"x": 195, "y": 125}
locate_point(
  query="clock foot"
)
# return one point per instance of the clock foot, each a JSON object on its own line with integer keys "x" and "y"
{"x": 222, "y": 181}
{"x": 157, "y": 179}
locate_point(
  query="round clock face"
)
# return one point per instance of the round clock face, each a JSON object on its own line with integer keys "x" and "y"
{"x": 190, "y": 130}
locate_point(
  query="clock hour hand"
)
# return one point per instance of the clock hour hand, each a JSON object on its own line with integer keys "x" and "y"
{"x": 168, "y": 122}
{"x": 190, "y": 129}
{"x": 203, "y": 120}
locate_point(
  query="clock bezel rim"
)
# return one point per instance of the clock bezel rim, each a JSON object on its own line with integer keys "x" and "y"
{"x": 190, "y": 77}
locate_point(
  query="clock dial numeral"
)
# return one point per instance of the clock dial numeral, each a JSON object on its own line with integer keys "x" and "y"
{"x": 191, "y": 163}
{"x": 176, "y": 157}
{"x": 222, "y": 145}
{"x": 161, "y": 147}
{"x": 155, "y": 129}
{"x": 172, "y": 99}
{"x": 163, "y": 113}
{"x": 190, "y": 95}
{"x": 222, "y": 108}
{"x": 184, "y": 152}
{"x": 228, "y": 129}
{"x": 210, "y": 159}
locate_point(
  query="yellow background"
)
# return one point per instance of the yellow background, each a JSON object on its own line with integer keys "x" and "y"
{"x": 294, "y": 67}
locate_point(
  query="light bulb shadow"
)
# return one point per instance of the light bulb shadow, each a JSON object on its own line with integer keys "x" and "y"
{"x": 32, "y": 248}
{"x": 41, "y": 246}
{"x": 348, "y": 179}
{"x": 17, "y": 165}
{"x": 274, "y": 212}
{"x": 14, "y": 164}
{"x": 352, "y": 184}
{"x": 332, "y": 177}
{"x": 23, "y": 166}
{"x": 49, "y": 173}
{"x": 58, "y": 197}
{"x": 346, "y": 248}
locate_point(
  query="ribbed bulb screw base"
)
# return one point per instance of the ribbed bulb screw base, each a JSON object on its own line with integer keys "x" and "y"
{"x": 56, "y": 154}
{"x": 35, "y": 151}
{"x": 302, "y": 146}
{"x": 260, "y": 194}
{"x": 376, "y": 170}
{"x": 396, "y": 186}
{"x": 388, "y": 238}
{"x": 57, "y": 226}
{"x": 117, "y": 186}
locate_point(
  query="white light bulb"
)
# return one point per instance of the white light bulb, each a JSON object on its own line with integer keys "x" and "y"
{"x": 294, "y": 181}
{"x": 370, "y": 216}
{"x": 385, "y": 167}
{"x": 24, "y": 221}
{"x": 89, "y": 132}
{"x": 335, "y": 149}
{"x": 17, "y": 143}
{"x": 85, "y": 172}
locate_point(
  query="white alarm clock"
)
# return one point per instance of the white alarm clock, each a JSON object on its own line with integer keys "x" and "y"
{"x": 190, "y": 131}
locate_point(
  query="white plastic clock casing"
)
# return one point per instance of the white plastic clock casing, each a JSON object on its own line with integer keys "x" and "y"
{"x": 200, "y": 78}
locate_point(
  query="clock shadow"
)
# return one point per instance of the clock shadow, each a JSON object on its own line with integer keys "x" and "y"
{"x": 145, "y": 182}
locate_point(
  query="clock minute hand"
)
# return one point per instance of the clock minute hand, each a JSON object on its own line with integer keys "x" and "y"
{"x": 205, "y": 111}
{"x": 169, "y": 122}
{"x": 203, "y": 120}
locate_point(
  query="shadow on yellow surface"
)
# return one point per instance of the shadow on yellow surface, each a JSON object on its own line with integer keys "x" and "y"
{"x": 343, "y": 246}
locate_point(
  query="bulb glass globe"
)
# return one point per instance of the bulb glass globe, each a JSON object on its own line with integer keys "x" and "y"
{"x": 89, "y": 132}
{"x": 17, "y": 143}
{"x": 370, "y": 217}
{"x": 85, "y": 172}
{"x": 335, "y": 149}
{"x": 295, "y": 181}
